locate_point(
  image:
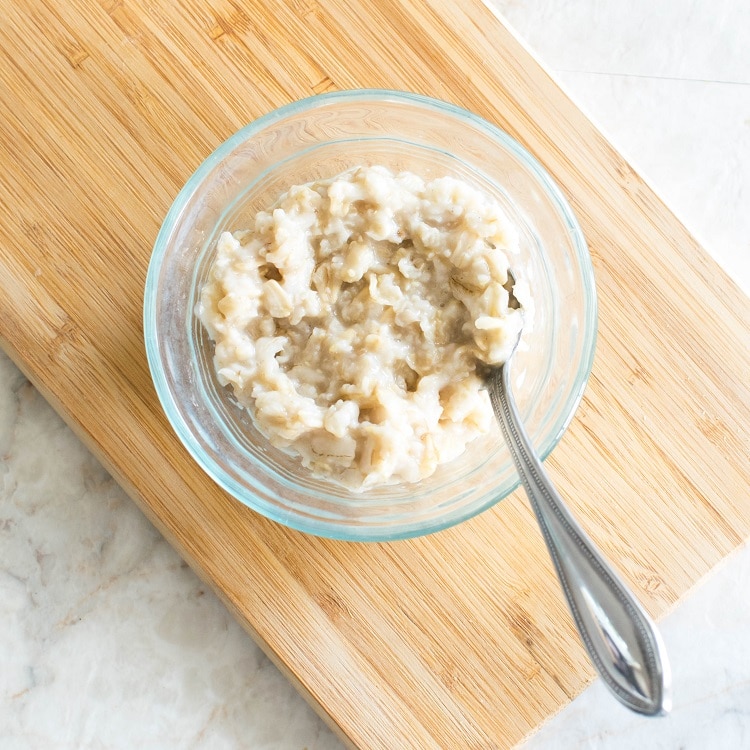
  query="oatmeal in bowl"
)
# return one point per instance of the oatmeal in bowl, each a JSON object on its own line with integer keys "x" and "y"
{"x": 350, "y": 319}
{"x": 323, "y": 291}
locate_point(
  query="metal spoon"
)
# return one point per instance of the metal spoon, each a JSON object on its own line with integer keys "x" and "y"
{"x": 621, "y": 639}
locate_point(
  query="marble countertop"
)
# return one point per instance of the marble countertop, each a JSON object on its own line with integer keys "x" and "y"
{"x": 108, "y": 640}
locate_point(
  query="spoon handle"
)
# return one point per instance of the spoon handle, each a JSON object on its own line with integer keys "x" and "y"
{"x": 622, "y": 641}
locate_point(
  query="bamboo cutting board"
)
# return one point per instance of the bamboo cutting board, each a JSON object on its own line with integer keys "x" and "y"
{"x": 460, "y": 639}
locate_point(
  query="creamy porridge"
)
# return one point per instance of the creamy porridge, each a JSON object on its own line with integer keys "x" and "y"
{"x": 350, "y": 317}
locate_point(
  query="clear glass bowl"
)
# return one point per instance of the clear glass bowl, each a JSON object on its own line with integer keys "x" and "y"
{"x": 319, "y": 137}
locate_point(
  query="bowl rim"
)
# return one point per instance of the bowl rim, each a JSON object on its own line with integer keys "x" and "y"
{"x": 349, "y": 531}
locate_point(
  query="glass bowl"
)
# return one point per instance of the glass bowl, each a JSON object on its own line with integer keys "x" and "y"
{"x": 319, "y": 137}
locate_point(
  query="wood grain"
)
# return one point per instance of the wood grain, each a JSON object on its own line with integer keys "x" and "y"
{"x": 460, "y": 639}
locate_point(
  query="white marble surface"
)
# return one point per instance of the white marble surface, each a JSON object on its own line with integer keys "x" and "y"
{"x": 107, "y": 640}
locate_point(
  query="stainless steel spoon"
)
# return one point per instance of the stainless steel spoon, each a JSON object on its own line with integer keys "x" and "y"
{"x": 621, "y": 639}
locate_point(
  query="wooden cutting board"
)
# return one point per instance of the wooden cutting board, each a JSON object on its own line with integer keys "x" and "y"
{"x": 460, "y": 639}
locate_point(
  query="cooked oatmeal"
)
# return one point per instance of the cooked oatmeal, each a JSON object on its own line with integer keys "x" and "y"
{"x": 350, "y": 318}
